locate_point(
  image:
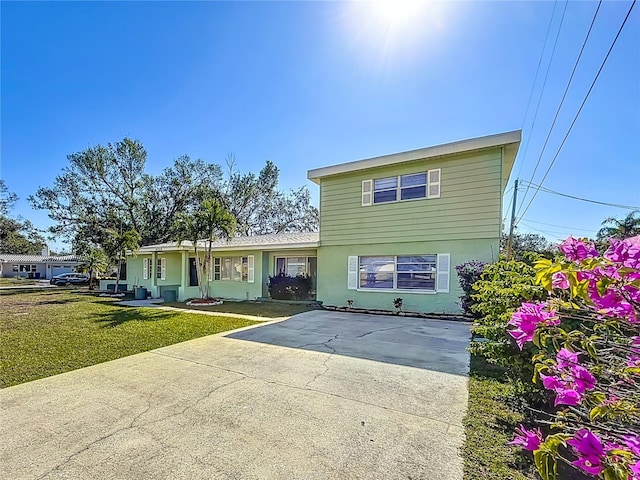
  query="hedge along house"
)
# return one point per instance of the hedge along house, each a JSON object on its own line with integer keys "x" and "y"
{"x": 396, "y": 226}
{"x": 391, "y": 226}
{"x": 241, "y": 266}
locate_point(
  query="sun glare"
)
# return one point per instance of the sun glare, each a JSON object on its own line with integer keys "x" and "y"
{"x": 397, "y": 12}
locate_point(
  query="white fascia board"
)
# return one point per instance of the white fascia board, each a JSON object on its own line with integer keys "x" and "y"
{"x": 274, "y": 246}
{"x": 277, "y": 246}
{"x": 497, "y": 140}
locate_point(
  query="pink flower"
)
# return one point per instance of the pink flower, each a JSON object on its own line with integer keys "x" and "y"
{"x": 527, "y": 318}
{"x": 625, "y": 252}
{"x": 528, "y": 439}
{"x": 583, "y": 379}
{"x": 567, "y": 396}
{"x": 589, "y": 450}
{"x": 559, "y": 280}
{"x": 571, "y": 379}
{"x": 577, "y": 250}
{"x": 635, "y": 471}
{"x": 566, "y": 358}
{"x": 633, "y": 443}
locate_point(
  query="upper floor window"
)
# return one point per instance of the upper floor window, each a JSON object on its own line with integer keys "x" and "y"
{"x": 403, "y": 187}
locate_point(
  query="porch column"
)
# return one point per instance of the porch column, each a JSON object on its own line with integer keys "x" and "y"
{"x": 183, "y": 276}
{"x": 154, "y": 276}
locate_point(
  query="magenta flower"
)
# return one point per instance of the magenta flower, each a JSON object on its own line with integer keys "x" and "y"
{"x": 527, "y": 318}
{"x": 577, "y": 250}
{"x": 583, "y": 379}
{"x": 528, "y": 439}
{"x": 589, "y": 450}
{"x": 633, "y": 443}
{"x": 567, "y": 396}
{"x": 559, "y": 280}
{"x": 625, "y": 252}
{"x": 571, "y": 379}
{"x": 566, "y": 358}
{"x": 635, "y": 471}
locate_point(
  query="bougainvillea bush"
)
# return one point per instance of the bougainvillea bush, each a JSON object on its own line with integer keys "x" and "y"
{"x": 585, "y": 344}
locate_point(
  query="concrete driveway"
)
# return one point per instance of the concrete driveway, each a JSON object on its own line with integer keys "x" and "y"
{"x": 321, "y": 395}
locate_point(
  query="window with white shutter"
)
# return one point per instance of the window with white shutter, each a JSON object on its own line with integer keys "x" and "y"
{"x": 161, "y": 272}
{"x": 367, "y": 186}
{"x": 250, "y": 269}
{"x": 352, "y": 275}
{"x": 434, "y": 183}
{"x": 444, "y": 266}
{"x": 145, "y": 268}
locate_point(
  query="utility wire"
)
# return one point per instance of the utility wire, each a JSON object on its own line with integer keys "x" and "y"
{"x": 616, "y": 205}
{"x": 559, "y": 226}
{"x": 544, "y": 83}
{"x": 564, "y": 96}
{"x": 575, "y": 118}
{"x": 535, "y": 79}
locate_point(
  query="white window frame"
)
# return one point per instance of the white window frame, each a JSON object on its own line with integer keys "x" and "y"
{"x": 146, "y": 268}
{"x": 161, "y": 268}
{"x": 247, "y": 268}
{"x": 432, "y": 188}
{"x": 442, "y": 273}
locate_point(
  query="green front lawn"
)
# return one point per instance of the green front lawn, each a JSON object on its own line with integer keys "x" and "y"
{"x": 49, "y": 332}
{"x": 12, "y": 281}
{"x": 490, "y": 424}
{"x": 257, "y": 309}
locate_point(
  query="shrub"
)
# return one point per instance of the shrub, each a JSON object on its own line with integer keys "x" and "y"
{"x": 468, "y": 274}
{"x": 285, "y": 287}
{"x": 592, "y": 370}
{"x": 502, "y": 288}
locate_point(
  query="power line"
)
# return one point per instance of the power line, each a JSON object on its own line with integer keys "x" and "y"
{"x": 560, "y": 226}
{"x": 564, "y": 96}
{"x": 548, "y": 190}
{"x": 546, "y": 75}
{"x": 575, "y": 118}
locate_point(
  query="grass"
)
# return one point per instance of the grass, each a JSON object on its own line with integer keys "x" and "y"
{"x": 50, "y": 332}
{"x": 490, "y": 424}
{"x": 12, "y": 281}
{"x": 258, "y": 309}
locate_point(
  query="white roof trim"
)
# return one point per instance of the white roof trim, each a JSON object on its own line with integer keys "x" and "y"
{"x": 478, "y": 143}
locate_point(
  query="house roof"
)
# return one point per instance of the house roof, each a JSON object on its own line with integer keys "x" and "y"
{"x": 277, "y": 241}
{"x": 9, "y": 257}
{"x": 509, "y": 140}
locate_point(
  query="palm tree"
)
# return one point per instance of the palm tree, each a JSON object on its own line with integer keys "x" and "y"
{"x": 118, "y": 246}
{"x": 627, "y": 227}
{"x": 95, "y": 261}
{"x": 211, "y": 221}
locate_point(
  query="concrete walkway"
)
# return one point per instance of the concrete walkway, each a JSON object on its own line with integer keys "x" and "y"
{"x": 322, "y": 395}
{"x": 157, "y": 303}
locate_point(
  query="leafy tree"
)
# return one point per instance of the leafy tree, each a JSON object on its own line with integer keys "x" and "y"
{"x": 260, "y": 208}
{"x": 17, "y": 236}
{"x": 106, "y": 188}
{"x": 524, "y": 244}
{"x": 210, "y": 222}
{"x": 118, "y": 246}
{"x": 95, "y": 261}
{"x": 620, "y": 228}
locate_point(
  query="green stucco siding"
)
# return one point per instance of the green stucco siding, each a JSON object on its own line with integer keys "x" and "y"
{"x": 469, "y": 206}
{"x": 332, "y": 273}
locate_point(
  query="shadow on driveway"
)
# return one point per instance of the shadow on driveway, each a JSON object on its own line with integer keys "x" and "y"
{"x": 429, "y": 344}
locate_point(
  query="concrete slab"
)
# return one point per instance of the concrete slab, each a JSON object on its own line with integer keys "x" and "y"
{"x": 346, "y": 402}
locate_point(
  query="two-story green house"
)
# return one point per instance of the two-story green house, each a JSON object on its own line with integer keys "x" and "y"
{"x": 390, "y": 226}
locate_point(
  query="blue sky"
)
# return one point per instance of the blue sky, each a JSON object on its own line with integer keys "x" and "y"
{"x": 309, "y": 84}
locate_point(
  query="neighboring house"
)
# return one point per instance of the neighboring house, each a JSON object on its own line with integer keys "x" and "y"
{"x": 391, "y": 226}
{"x": 42, "y": 266}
